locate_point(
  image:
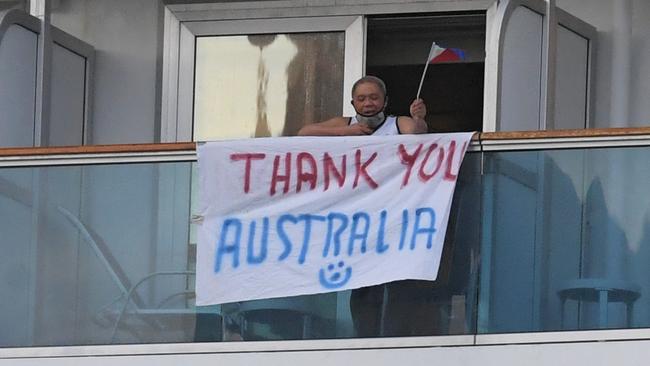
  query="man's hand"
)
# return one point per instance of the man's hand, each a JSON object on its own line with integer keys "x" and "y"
{"x": 417, "y": 122}
{"x": 418, "y": 110}
{"x": 358, "y": 129}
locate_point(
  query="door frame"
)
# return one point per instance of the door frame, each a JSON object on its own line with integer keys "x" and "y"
{"x": 498, "y": 16}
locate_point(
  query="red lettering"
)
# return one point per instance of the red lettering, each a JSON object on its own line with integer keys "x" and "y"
{"x": 361, "y": 170}
{"x": 248, "y": 157}
{"x": 281, "y": 178}
{"x": 329, "y": 167}
{"x": 441, "y": 156}
{"x": 408, "y": 160}
{"x": 450, "y": 160}
{"x": 306, "y": 177}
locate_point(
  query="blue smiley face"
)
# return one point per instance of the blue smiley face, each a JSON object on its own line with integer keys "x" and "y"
{"x": 335, "y": 276}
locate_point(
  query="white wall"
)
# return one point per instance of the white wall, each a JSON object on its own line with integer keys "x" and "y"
{"x": 601, "y": 14}
{"x": 127, "y": 35}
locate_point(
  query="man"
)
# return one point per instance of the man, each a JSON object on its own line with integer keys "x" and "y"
{"x": 369, "y": 100}
{"x": 367, "y": 304}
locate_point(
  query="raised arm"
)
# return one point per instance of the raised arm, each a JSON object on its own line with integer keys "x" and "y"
{"x": 337, "y": 126}
{"x": 416, "y": 123}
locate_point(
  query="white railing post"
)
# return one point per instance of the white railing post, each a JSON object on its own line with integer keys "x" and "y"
{"x": 549, "y": 57}
{"x": 42, "y": 10}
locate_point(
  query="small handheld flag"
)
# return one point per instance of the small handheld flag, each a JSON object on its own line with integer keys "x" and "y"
{"x": 439, "y": 54}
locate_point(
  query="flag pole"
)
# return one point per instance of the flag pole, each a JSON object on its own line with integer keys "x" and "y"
{"x": 426, "y": 66}
{"x": 422, "y": 79}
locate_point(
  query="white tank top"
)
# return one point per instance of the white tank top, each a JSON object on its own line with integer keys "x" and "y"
{"x": 389, "y": 127}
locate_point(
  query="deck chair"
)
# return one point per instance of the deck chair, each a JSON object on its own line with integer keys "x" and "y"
{"x": 129, "y": 302}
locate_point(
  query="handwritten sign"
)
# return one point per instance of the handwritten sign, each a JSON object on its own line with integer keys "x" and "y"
{"x": 305, "y": 215}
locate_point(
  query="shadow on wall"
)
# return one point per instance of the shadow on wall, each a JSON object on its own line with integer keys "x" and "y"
{"x": 313, "y": 82}
{"x": 315, "y": 78}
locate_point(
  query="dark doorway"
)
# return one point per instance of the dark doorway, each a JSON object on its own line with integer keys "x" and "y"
{"x": 397, "y": 48}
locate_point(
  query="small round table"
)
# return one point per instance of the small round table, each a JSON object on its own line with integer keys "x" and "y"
{"x": 603, "y": 291}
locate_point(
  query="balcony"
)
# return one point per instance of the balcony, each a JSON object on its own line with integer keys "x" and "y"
{"x": 549, "y": 232}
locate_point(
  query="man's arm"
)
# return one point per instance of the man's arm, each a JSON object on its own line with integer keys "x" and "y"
{"x": 415, "y": 123}
{"x": 337, "y": 126}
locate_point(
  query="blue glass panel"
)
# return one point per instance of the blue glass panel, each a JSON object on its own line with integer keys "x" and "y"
{"x": 564, "y": 240}
{"x": 103, "y": 254}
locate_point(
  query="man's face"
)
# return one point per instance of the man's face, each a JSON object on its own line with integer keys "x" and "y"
{"x": 368, "y": 99}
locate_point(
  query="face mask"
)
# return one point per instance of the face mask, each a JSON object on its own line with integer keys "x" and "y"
{"x": 372, "y": 121}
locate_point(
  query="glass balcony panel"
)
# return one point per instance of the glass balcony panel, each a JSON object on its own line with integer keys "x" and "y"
{"x": 110, "y": 249}
{"x": 564, "y": 240}
{"x": 95, "y": 255}
{"x": 102, "y": 254}
{"x": 16, "y": 241}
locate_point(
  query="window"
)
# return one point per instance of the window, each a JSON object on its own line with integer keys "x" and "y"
{"x": 397, "y": 50}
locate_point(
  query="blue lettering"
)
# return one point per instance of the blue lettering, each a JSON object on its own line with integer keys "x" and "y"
{"x": 430, "y": 230}
{"x": 405, "y": 223}
{"x": 354, "y": 235}
{"x": 283, "y": 235}
{"x": 307, "y": 234}
{"x": 251, "y": 258}
{"x": 223, "y": 248}
{"x": 359, "y": 224}
{"x": 336, "y": 235}
{"x": 381, "y": 244}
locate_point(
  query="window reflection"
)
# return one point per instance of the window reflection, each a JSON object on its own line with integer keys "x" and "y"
{"x": 266, "y": 85}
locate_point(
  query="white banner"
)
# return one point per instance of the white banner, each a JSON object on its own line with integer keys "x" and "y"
{"x": 305, "y": 215}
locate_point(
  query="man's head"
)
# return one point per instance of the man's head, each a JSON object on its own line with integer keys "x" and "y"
{"x": 369, "y": 96}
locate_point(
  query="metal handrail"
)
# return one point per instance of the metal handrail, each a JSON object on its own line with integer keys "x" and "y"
{"x": 480, "y": 139}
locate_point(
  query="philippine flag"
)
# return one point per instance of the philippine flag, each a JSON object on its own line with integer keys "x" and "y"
{"x": 440, "y": 55}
